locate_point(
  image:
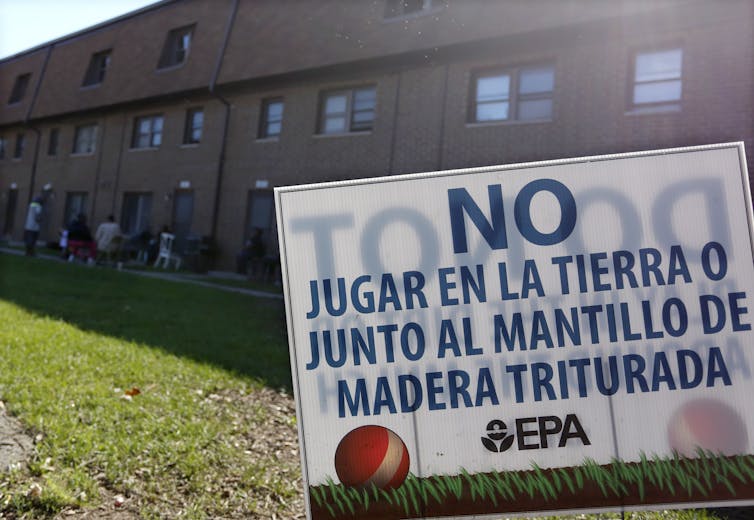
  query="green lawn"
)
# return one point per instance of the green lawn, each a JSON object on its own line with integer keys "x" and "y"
{"x": 75, "y": 338}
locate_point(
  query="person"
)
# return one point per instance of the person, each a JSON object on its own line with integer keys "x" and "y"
{"x": 80, "y": 240}
{"x": 32, "y": 225}
{"x": 108, "y": 236}
{"x": 106, "y": 232}
{"x": 252, "y": 251}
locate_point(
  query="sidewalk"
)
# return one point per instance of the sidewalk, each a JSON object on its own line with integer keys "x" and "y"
{"x": 204, "y": 280}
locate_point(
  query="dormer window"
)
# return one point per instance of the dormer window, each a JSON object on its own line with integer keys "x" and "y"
{"x": 19, "y": 88}
{"x": 403, "y": 8}
{"x": 95, "y": 73}
{"x": 176, "y": 49}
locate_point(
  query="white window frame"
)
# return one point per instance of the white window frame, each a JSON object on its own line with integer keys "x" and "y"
{"x": 152, "y": 132}
{"x": 85, "y": 140}
{"x": 350, "y": 112}
{"x": 515, "y": 98}
{"x": 397, "y": 9}
{"x": 20, "y": 86}
{"x": 175, "y": 51}
{"x": 53, "y": 142}
{"x": 20, "y": 146}
{"x": 267, "y": 120}
{"x": 192, "y": 132}
{"x": 656, "y": 78}
{"x": 97, "y": 69}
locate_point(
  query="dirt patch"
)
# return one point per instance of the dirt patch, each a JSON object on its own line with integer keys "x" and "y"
{"x": 15, "y": 444}
{"x": 267, "y": 434}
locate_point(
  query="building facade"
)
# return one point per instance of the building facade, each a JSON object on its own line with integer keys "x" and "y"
{"x": 188, "y": 113}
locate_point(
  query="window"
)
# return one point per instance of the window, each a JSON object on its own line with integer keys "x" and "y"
{"x": 176, "y": 48}
{"x": 147, "y": 132}
{"x": 271, "y": 121}
{"x": 52, "y": 143}
{"x": 75, "y": 203}
{"x": 401, "y": 8}
{"x": 95, "y": 73}
{"x": 19, "y": 88}
{"x": 85, "y": 140}
{"x": 18, "y": 151}
{"x": 522, "y": 94}
{"x": 657, "y": 79}
{"x": 192, "y": 132}
{"x": 344, "y": 111}
{"x": 3, "y": 145}
{"x": 136, "y": 214}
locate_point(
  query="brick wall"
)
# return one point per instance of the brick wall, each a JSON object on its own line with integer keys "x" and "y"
{"x": 421, "y": 122}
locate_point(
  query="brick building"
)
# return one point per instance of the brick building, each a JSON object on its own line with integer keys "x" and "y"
{"x": 188, "y": 112}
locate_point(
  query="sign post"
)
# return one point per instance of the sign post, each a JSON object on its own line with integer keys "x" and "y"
{"x": 571, "y": 334}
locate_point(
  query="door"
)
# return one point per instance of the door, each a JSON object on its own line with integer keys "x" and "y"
{"x": 136, "y": 214}
{"x": 183, "y": 213}
{"x": 10, "y": 212}
{"x": 75, "y": 203}
{"x": 260, "y": 214}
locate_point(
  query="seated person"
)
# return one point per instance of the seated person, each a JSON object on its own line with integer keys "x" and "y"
{"x": 108, "y": 236}
{"x": 251, "y": 253}
{"x": 80, "y": 242}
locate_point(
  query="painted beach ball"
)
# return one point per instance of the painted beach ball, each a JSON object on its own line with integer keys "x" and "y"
{"x": 371, "y": 455}
{"x": 708, "y": 424}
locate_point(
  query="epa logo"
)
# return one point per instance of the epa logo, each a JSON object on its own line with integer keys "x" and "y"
{"x": 534, "y": 433}
{"x": 498, "y": 439}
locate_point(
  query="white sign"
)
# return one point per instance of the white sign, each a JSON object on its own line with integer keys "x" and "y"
{"x": 533, "y": 337}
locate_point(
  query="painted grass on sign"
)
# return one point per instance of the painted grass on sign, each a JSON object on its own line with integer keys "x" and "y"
{"x": 680, "y": 476}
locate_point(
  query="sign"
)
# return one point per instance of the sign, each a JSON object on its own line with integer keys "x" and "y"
{"x": 561, "y": 335}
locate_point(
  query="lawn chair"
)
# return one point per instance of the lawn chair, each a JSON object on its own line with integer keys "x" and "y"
{"x": 166, "y": 254}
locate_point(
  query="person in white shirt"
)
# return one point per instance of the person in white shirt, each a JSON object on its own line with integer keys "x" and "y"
{"x": 32, "y": 225}
{"x": 105, "y": 234}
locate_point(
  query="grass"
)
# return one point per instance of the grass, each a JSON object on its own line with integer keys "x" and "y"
{"x": 681, "y": 477}
{"x": 240, "y": 284}
{"x": 246, "y": 283}
{"x": 243, "y": 335}
{"x": 74, "y": 339}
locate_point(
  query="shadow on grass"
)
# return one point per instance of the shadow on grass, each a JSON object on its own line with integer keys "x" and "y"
{"x": 236, "y": 332}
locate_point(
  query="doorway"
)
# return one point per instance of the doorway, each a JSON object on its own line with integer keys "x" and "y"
{"x": 10, "y": 212}
{"x": 183, "y": 214}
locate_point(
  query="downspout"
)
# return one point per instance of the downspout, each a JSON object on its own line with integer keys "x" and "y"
{"x": 95, "y": 188}
{"x": 441, "y": 148}
{"x": 226, "y": 122}
{"x": 123, "y": 144}
{"x": 396, "y": 122}
{"x": 37, "y": 133}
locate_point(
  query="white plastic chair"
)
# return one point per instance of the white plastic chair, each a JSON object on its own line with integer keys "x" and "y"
{"x": 166, "y": 254}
